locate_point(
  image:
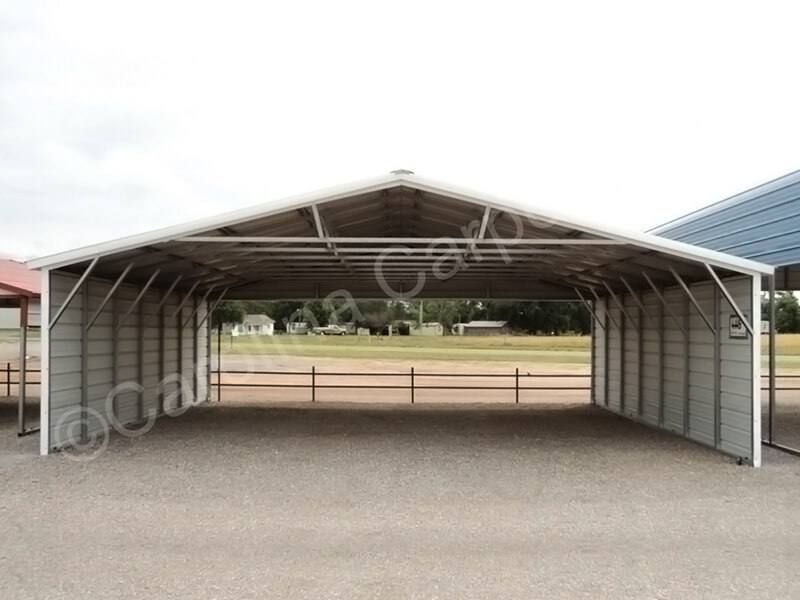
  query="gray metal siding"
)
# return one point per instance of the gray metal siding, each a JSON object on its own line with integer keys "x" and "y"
{"x": 736, "y": 384}
{"x": 130, "y": 355}
{"x": 760, "y": 224}
{"x": 674, "y": 365}
{"x": 699, "y": 387}
{"x": 701, "y": 418}
{"x": 651, "y": 360}
{"x": 599, "y": 354}
{"x": 632, "y": 352}
{"x": 614, "y": 364}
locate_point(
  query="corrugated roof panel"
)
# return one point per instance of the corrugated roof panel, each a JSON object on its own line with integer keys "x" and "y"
{"x": 17, "y": 278}
{"x": 761, "y": 224}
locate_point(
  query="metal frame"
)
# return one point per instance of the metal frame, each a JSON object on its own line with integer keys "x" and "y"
{"x": 558, "y": 253}
{"x": 692, "y": 299}
{"x": 745, "y": 321}
{"x": 71, "y": 295}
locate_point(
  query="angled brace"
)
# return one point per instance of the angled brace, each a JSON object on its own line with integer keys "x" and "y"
{"x": 608, "y": 313}
{"x": 185, "y": 299}
{"x": 109, "y": 295}
{"x": 639, "y": 302}
{"x": 138, "y": 299}
{"x": 196, "y": 308}
{"x": 664, "y": 302}
{"x": 692, "y": 298}
{"x": 74, "y": 291}
{"x": 213, "y": 308}
{"x": 164, "y": 298}
{"x": 624, "y": 312}
{"x": 590, "y": 309}
{"x": 729, "y": 298}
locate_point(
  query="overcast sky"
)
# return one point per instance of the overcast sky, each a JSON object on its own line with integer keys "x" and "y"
{"x": 119, "y": 117}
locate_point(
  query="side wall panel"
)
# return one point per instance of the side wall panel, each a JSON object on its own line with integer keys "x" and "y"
{"x": 695, "y": 384}
{"x": 599, "y": 355}
{"x": 132, "y": 359}
{"x": 736, "y": 385}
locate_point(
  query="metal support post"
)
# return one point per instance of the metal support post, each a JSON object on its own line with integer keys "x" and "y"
{"x": 219, "y": 363}
{"x": 772, "y": 353}
{"x": 23, "y": 362}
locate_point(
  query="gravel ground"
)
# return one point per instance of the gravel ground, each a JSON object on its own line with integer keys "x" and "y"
{"x": 233, "y": 500}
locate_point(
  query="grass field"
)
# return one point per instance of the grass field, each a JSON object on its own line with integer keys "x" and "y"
{"x": 561, "y": 349}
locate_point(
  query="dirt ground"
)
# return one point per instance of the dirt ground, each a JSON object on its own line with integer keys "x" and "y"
{"x": 338, "y": 500}
{"x": 500, "y": 377}
{"x": 363, "y": 495}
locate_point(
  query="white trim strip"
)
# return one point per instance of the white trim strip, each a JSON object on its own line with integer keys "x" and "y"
{"x": 280, "y": 239}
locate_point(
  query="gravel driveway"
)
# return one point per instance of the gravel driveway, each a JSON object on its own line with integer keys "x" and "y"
{"x": 233, "y": 500}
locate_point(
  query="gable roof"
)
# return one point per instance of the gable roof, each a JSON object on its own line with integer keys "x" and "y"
{"x": 16, "y": 279}
{"x": 257, "y": 320}
{"x": 485, "y": 324}
{"x": 309, "y": 245}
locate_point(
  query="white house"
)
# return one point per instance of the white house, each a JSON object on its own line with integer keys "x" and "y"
{"x": 254, "y": 325}
{"x": 430, "y": 328}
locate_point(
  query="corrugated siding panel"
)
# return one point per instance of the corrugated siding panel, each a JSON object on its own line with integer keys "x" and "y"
{"x": 614, "y": 357}
{"x": 651, "y": 359}
{"x": 674, "y": 363}
{"x": 631, "y": 358}
{"x": 736, "y": 388}
{"x": 202, "y": 355}
{"x": 138, "y": 357}
{"x": 599, "y": 355}
{"x": 701, "y": 367}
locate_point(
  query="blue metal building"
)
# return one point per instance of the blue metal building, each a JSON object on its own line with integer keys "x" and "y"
{"x": 761, "y": 224}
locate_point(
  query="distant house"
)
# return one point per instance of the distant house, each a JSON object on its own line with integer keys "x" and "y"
{"x": 297, "y": 328}
{"x": 481, "y": 328}
{"x": 254, "y": 325}
{"x": 431, "y": 328}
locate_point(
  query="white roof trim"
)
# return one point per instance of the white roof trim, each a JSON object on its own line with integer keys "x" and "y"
{"x": 642, "y": 240}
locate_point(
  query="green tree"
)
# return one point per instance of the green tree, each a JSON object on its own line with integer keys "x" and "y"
{"x": 227, "y": 312}
{"x": 787, "y": 313}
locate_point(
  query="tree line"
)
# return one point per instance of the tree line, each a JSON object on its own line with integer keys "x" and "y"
{"x": 544, "y": 318}
{"x": 787, "y": 312}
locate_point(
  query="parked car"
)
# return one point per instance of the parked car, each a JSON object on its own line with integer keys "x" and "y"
{"x": 330, "y": 330}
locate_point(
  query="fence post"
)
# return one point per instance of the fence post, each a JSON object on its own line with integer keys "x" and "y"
{"x": 516, "y": 387}
{"x": 313, "y": 383}
{"x": 412, "y": 385}
{"x": 8, "y": 379}
{"x": 219, "y": 363}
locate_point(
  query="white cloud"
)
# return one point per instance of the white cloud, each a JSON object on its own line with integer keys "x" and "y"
{"x": 117, "y": 117}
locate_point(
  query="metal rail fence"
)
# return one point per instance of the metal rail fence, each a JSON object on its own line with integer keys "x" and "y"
{"x": 407, "y": 380}
{"x": 412, "y": 381}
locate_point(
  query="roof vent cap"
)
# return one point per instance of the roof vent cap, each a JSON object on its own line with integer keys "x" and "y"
{"x": 402, "y": 172}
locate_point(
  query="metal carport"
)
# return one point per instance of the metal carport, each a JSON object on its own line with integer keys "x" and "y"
{"x": 762, "y": 223}
{"x": 133, "y": 312}
{"x": 19, "y": 289}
